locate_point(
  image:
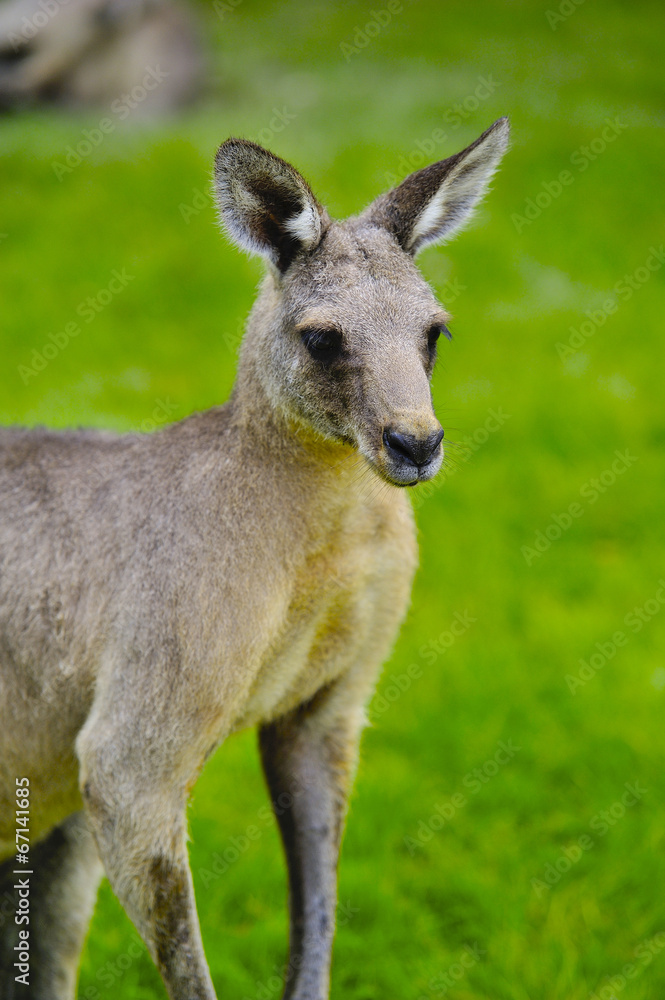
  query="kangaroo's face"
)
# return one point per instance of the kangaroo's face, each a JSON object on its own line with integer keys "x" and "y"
{"x": 347, "y": 328}
{"x": 354, "y": 348}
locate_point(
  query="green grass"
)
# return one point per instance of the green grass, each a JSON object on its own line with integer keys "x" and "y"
{"x": 409, "y": 911}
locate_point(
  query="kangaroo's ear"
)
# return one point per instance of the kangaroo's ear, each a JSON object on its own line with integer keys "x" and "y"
{"x": 265, "y": 205}
{"x": 432, "y": 204}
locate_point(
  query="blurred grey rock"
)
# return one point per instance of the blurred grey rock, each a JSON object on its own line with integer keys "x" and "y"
{"x": 89, "y": 53}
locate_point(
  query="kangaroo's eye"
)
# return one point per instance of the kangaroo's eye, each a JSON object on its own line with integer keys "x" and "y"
{"x": 323, "y": 345}
{"x": 433, "y": 335}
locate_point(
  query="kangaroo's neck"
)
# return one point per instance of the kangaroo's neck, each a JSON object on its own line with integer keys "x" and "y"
{"x": 278, "y": 437}
{"x": 289, "y": 449}
{"x": 262, "y": 423}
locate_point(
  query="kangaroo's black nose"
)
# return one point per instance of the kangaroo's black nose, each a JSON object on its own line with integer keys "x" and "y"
{"x": 415, "y": 450}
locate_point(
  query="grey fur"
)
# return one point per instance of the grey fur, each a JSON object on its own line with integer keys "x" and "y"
{"x": 249, "y": 565}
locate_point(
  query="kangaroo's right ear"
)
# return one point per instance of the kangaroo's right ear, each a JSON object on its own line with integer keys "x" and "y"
{"x": 432, "y": 204}
{"x": 265, "y": 205}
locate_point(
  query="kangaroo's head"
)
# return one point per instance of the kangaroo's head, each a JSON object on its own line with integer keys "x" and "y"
{"x": 343, "y": 337}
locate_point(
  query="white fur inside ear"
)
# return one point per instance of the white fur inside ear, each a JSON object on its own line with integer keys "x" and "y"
{"x": 454, "y": 202}
{"x": 305, "y": 227}
{"x": 265, "y": 205}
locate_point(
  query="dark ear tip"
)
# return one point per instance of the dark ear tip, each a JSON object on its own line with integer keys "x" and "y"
{"x": 501, "y": 126}
{"x": 226, "y": 150}
{"x": 232, "y": 149}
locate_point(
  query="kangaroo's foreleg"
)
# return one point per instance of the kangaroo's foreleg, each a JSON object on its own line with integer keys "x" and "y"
{"x": 135, "y": 775}
{"x": 142, "y": 845}
{"x": 309, "y": 757}
{"x": 62, "y": 890}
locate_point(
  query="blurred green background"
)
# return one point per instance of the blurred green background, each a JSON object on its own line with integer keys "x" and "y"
{"x": 466, "y": 871}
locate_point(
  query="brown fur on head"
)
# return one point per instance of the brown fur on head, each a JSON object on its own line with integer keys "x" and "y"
{"x": 344, "y": 334}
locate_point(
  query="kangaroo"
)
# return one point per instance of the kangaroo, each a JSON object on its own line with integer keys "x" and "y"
{"x": 247, "y": 566}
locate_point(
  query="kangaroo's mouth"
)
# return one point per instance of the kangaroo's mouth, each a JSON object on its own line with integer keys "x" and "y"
{"x": 402, "y": 472}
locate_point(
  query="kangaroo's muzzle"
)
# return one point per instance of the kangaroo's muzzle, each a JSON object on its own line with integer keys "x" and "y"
{"x": 408, "y": 458}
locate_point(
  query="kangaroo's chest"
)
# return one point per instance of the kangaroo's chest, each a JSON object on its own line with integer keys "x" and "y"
{"x": 348, "y": 602}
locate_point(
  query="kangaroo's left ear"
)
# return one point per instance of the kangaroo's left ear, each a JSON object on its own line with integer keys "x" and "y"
{"x": 432, "y": 204}
{"x": 266, "y": 206}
